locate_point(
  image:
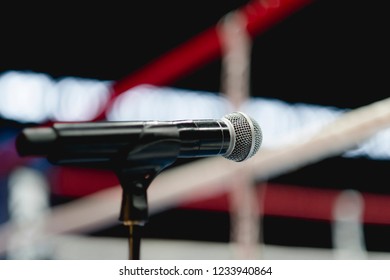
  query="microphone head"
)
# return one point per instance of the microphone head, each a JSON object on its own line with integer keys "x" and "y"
{"x": 246, "y": 136}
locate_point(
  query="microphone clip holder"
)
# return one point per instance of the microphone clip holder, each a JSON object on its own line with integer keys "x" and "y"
{"x": 135, "y": 172}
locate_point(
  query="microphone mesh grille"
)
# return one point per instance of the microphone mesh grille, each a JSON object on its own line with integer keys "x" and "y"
{"x": 248, "y": 136}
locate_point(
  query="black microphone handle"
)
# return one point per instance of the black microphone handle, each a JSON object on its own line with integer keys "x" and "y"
{"x": 102, "y": 142}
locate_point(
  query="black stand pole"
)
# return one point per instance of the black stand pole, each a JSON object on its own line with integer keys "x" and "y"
{"x": 134, "y": 242}
{"x": 134, "y": 207}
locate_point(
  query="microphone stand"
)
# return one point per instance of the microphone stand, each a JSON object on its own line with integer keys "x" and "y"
{"x": 135, "y": 174}
{"x": 135, "y": 167}
{"x": 134, "y": 206}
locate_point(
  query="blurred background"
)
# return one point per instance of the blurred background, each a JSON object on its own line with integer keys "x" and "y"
{"x": 296, "y": 66}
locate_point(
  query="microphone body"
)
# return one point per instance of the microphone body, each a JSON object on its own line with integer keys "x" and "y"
{"x": 94, "y": 143}
{"x": 138, "y": 150}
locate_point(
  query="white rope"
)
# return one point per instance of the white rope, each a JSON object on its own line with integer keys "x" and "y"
{"x": 235, "y": 80}
{"x": 236, "y": 47}
{"x": 347, "y": 226}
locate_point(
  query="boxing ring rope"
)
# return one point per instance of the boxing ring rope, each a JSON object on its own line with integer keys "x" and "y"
{"x": 236, "y": 45}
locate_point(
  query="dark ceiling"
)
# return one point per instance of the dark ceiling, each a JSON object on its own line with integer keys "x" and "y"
{"x": 330, "y": 53}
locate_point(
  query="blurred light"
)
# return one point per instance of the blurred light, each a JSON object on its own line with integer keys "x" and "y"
{"x": 377, "y": 147}
{"x": 283, "y": 123}
{"x": 23, "y": 96}
{"x": 147, "y": 102}
{"x": 79, "y": 99}
{"x": 34, "y": 97}
{"x": 28, "y": 208}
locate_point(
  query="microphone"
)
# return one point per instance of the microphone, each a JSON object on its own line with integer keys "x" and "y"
{"x": 236, "y": 137}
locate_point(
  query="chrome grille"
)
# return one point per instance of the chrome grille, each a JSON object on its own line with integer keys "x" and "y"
{"x": 248, "y": 136}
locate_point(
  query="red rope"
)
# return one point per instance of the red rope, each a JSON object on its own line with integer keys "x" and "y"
{"x": 280, "y": 200}
{"x": 203, "y": 48}
{"x": 302, "y": 203}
